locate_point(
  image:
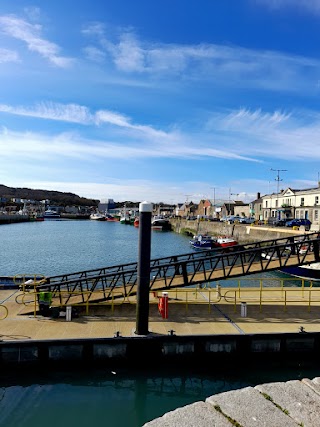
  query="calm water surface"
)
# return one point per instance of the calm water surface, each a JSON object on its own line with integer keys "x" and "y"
{"x": 102, "y": 397}
{"x": 58, "y": 247}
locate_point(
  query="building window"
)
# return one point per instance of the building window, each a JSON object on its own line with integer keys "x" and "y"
{"x": 266, "y": 203}
{"x": 316, "y": 200}
{"x": 302, "y": 201}
{"x": 276, "y": 203}
{"x": 316, "y": 215}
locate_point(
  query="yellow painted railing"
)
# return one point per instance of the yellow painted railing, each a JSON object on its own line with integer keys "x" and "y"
{"x": 287, "y": 291}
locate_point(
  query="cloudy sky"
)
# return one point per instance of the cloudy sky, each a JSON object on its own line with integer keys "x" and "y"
{"x": 164, "y": 101}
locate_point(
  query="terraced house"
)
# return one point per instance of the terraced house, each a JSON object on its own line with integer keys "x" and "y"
{"x": 290, "y": 203}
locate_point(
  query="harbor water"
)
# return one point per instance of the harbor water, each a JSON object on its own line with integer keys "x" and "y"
{"x": 115, "y": 398}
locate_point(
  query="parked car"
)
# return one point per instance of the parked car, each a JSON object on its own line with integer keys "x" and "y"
{"x": 297, "y": 222}
{"x": 245, "y": 220}
{"x": 232, "y": 219}
{"x": 275, "y": 222}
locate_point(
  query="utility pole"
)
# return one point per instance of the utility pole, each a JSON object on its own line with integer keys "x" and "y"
{"x": 231, "y": 194}
{"x": 278, "y": 182}
{"x": 214, "y": 200}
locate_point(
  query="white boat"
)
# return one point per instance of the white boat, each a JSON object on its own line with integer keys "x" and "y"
{"x": 51, "y": 214}
{"x": 97, "y": 216}
{"x": 309, "y": 271}
{"x": 159, "y": 222}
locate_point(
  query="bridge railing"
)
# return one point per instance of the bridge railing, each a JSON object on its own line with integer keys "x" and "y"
{"x": 191, "y": 269}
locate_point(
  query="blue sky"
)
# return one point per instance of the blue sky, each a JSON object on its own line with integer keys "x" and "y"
{"x": 164, "y": 101}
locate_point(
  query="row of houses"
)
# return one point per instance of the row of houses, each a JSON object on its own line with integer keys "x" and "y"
{"x": 287, "y": 204}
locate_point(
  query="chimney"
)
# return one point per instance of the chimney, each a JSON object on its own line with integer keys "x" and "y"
{"x": 258, "y": 195}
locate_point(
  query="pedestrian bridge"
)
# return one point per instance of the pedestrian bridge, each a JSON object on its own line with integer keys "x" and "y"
{"x": 190, "y": 269}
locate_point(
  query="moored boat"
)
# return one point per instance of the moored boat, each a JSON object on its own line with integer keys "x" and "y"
{"x": 160, "y": 223}
{"x": 202, "y": 241}
{"x": 225, "y": 242}
{"x": 51, "y": 214}
{"x": 308, "y": 272}
{"x": 111, "y": 218}
{"x": 97, "y": 216}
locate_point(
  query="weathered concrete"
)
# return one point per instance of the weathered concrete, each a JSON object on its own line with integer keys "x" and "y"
{"x": 199, "y": 414}
{"x": 242, "y": 232}
{"x": 297, "y": 398}
{"x": 288, "y": 404}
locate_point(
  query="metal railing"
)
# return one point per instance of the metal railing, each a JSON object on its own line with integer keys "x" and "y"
{"x": 189, "y": 269}
{"x": 282, "y": 292}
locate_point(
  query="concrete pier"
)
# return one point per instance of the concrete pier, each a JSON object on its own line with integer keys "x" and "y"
{"x": 288, "y": 404}
{"x": 195, "y": 334}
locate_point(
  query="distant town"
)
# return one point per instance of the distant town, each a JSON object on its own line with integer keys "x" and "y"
{"x": 285, "y": 205}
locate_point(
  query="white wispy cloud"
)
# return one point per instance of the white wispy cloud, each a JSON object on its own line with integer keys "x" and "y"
{"x": 218, "y": 64}
{"x": 244, "y": 134}
{"x": 30, "y": 34}
{"x": 52, "y": 111}
{"x": 7, "y": 55}
{"x": 270, "y": 135}
{"x": 312, "y": 6}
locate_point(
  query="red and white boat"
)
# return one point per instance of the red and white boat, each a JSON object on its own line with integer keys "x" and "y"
{"x": 224, "y": 242}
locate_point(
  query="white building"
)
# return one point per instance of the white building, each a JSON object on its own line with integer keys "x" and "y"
{"x": 292, "y": 203}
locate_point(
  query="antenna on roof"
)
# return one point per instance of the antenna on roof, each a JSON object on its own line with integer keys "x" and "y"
{"x": 278, "y": 177}
{"x": 278, "y": 181}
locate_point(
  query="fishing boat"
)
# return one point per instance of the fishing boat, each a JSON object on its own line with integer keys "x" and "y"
{"x": 111, "y": 218}
{"x": 136, "y": 222}
{"x": 160, "y": 223}
{"x": 225, "y": 242}
{"x": 202, "y": 241}
{"x": 97, "y": 216}
{"x": 36, "y": 217}
{"x": 126, "y": 217}
{"x": 51, "y": 214}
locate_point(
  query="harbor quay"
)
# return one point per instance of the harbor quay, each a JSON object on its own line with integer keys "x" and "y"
{"x": 282, "y": 324}
{"x": 196, "y": 332}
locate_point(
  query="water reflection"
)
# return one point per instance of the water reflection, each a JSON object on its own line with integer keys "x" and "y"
{"x": 120, "y": 398}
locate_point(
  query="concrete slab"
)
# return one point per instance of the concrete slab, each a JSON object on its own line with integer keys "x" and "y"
{"x": 199, "y": 414}
{"x": 249, "y": 408}
{"x": 296, "y": 398}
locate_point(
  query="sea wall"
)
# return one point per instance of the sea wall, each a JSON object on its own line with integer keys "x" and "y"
{"x": 9, "y": 219}
{"x": 241, "y": 232}
{"x": 152, "y": 350}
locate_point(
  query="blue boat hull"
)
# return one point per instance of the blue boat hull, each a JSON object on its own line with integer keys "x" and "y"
{"x": 303, "y": 272}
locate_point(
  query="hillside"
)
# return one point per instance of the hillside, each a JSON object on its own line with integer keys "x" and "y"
{"x": 55, "y": 197}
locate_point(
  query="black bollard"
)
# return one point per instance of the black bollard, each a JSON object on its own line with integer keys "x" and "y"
{"x": 143, "y": 273}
